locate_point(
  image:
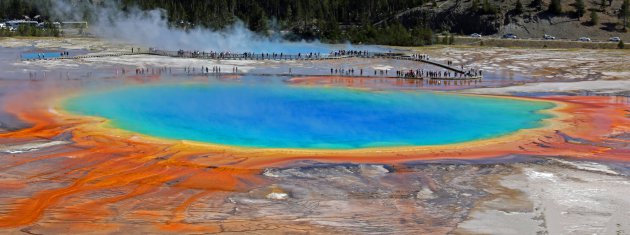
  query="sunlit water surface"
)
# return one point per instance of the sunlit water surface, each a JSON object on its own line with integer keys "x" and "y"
{"x": 284, "y": 116}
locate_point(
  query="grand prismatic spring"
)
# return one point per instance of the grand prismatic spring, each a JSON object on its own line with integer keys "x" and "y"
{"x": 88, "y": 148}
{"x": 159, "y": 130}
{"x": 281, "y": 116}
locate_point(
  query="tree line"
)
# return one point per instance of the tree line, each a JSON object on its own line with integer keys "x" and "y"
{"x": 326, "y": 20}
{"x": 357, "y": 21}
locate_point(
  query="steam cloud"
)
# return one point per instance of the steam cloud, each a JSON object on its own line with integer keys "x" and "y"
{"x": 151, "y": 29}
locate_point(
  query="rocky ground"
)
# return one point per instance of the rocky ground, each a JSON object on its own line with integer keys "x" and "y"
{"x": 539, "y": 71}
{"x": 511, "y": 195}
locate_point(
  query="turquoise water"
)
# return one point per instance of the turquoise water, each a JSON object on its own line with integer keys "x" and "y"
{"x": 38, "y": 55}
{"x": 282, "y": 116}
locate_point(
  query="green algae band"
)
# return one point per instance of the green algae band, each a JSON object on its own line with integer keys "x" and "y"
{"x": 282, "y": 116}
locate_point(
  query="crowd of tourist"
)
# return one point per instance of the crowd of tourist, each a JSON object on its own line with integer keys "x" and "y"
{"x": 244, "y": 55}
{"x": 152, "y": 71}
{"x": 438, "y": 74}
{"x": 446, "y": 73}
{"x": 349, "y": 53}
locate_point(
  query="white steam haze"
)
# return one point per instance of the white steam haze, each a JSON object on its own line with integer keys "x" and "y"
{"x": 151, "y": 29}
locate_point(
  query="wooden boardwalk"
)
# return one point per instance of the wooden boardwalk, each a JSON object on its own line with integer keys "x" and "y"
{"x": 307, "y": 57}
{"x": 326, "y": 75}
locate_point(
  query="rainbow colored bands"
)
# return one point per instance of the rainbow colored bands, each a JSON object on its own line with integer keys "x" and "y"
{"x": 283, "y": 116}
{"x": 179, "y": 173}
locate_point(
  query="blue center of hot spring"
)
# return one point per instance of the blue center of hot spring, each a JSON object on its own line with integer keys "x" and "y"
{"x": 284, "y": 116}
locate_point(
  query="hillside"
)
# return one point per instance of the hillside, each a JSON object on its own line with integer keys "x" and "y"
{"x": 392, "y": 22}
{"x": 533, "y": 22}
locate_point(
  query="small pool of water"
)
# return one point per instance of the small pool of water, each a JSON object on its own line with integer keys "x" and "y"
{"x": 284, "y": 116}
{"x": 40, "y": 55}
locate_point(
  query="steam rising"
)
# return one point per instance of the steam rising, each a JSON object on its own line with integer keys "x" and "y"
{"x": 151, "y": 29}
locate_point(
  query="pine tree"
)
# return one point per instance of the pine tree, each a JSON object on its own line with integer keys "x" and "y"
{"x": 519, "y": 7}
{"x": 620, "y": 45}
{"x": 452, "y": 39}
{"x": 594, "y": 18}
{"x": 289, "y": 13}
{"x": 475, "y": 5}
{"x": 15, "y": 9}
{"x": 555, "y": 7}
{"x": 536, "y": 3}
{"x": 488, "y": 8}
{"x": 624, "y": 12}
{"x": 425, "y": 35}
{"x": 579, "y": 8}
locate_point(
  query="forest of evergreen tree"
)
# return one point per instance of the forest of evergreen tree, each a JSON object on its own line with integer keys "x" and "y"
{"x": 326, "y": 20}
